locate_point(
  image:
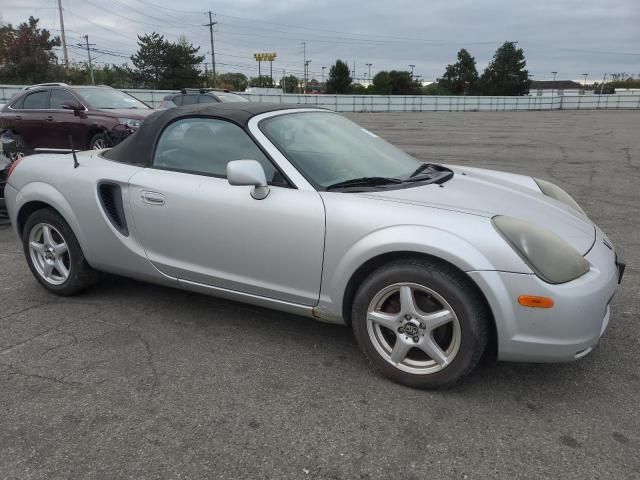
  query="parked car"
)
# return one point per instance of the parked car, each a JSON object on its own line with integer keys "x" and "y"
{"x": 188, "y": 96}
{"x": 301, "y": 210}
{"x": 43, "y": 116}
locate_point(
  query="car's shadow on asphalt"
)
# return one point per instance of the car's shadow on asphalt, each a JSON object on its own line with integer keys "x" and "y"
{"x": 304, "y": 342}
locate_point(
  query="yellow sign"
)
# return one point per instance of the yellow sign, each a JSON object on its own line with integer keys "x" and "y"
{"x": 265, "y": 57}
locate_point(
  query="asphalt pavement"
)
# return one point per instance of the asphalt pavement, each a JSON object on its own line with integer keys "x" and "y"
{"x": 130, "y": 380}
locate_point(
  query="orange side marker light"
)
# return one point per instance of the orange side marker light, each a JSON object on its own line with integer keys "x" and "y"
{"x": 535, "y": 302}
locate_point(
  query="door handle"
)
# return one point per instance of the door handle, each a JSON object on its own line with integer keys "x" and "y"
{"x": 18, "y": 117}
{"x": 152, "y": 198}
{"x": 49, "y": 118}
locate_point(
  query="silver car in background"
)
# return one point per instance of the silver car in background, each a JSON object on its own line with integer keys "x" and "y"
{"x": 304, "y": 211}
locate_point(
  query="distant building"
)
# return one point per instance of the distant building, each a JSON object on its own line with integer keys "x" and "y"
{"x": 556, "y": 87}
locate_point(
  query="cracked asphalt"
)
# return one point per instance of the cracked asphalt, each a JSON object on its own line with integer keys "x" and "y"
{"x": 130, "y": 380}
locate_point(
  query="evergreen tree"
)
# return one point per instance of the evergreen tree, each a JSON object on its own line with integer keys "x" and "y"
{"x": 339, "y": 78}
{"x": 506, "y": 74}
{"x": 461, "y": 77}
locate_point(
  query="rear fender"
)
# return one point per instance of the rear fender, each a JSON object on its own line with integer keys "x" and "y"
{"x": 45, "y": 193}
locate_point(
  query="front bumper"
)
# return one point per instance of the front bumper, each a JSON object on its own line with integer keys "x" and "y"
{"x": 572, "y": 327}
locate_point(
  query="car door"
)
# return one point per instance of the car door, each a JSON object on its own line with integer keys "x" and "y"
{"x": 194, "y": 226}
{"x": 65, "y": 122}
{"x": 35, "y": 120}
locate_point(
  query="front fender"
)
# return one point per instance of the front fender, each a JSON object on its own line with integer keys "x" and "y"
{"x": 428, "y": 240}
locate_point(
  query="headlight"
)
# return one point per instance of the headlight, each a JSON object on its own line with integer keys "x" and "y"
{"x": 549, "y": 256}
{"x": 132, "y": 123}
{"x": 554, "y": 191}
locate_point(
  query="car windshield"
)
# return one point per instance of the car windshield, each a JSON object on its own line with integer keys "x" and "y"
{"x": 331, "y": 151}
{"x": 225, "y": 97}
{"x": 109, "y": 98}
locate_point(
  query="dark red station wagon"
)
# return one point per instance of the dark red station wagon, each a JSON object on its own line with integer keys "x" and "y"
{"x": 43, "y": 116}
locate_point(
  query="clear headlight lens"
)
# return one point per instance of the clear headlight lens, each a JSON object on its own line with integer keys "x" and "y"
{"x": 554, "y": 191}
{"x": 549, "y": 256}
{"x": 132, "y": 123}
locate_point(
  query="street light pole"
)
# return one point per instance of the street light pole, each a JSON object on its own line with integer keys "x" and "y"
{"x": 585, "y": 79}
{"x": 323, "y": 76}
{"x": 553, "y": 86}
{"x": 369, "y": 66}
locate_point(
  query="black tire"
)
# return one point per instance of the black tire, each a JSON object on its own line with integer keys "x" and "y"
{"x": 80, "y": 274}
{"x": 452, "y": 285}
{"x": 99, "y": 137}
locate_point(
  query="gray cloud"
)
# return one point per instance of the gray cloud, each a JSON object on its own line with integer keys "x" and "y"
{"x": 568, "y": 36}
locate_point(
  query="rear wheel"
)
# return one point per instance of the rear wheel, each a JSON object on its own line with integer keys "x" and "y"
{"x": 421, "y": 323}
{"x": 54, "y": 255}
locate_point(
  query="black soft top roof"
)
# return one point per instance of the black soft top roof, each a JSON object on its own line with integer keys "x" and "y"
{"x": 138, "y": 148}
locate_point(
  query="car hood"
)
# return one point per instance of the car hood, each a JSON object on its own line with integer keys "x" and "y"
{"x": 138, "y": 114}
{"x": 488, "y": 193}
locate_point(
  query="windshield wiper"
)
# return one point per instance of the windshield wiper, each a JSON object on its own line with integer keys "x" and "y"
{"x": 421, "y": 168}
{"x": 364, "y": 182}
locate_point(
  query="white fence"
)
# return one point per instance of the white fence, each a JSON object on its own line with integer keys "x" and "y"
{"x": 405, "y": 103}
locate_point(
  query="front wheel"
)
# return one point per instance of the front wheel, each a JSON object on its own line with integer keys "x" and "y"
{"x": 420, "y": 322}
{"x": 54, "y": 255}
{"x": 99, "y": 141}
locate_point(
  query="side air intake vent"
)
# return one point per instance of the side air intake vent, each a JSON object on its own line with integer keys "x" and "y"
{"x": 111, "y": 200}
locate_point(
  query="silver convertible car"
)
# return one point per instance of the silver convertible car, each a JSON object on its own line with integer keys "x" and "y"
{"x": 304, "y": 211}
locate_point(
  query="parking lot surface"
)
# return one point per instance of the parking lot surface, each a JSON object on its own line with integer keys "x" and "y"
{"x": 130, "y": 380}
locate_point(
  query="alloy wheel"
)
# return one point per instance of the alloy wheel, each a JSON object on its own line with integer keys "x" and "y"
{"x": 413, "y": 328}
{"x": 49, "y": 253}
{"x": 99, "y": 144}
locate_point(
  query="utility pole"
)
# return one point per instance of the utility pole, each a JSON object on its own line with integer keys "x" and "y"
{"x": 553, "y": 86}
{"x": 304, "y": 55}
{"x": 284, "y": 81}
{"x": 355, "y": 79}
{"x": 369, "y": 66}
{"x": 412, "y": 67}
{"x": 86, "y": 37}
{"x": 63, "y": 38}
{"x": 323, "y": 76}
{"x": 213, "y": 50}
{"x": 602, "y": 86}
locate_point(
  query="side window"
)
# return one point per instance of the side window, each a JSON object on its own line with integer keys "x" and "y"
{"x": 37, "y": 100}
{"x": 58, "y": 97}
{"x": 17, "y": 105}
{"x": 206, "y": 145}
{"x": 189, "y": 99}
{"x": 207, "y": 99}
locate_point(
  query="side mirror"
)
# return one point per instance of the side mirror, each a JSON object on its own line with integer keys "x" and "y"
{"x": 248, "y": 172}
{"x": 72, "y": 106}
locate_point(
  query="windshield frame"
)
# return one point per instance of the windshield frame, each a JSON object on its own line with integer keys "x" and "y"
{"x": 405, "y": 183}
{"x": 79, "y": 91}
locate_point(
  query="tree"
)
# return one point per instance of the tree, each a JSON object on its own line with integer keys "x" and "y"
{"x": 506, "y": 74}
{"x": 395, "y": 83}
{"x": 162, "y": 64}
{"x": 434, "y": 89}
{"x": 461, "y": 77}
{"x": 263, "y": 81}
{"x": 232, "y": 81}
{"x": 27, "y": 53}
{"x": 290, "y": 82}
{"x": 339, "y": 78}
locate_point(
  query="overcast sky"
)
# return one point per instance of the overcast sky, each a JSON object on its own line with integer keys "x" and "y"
{"x": 571, "y": 37}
